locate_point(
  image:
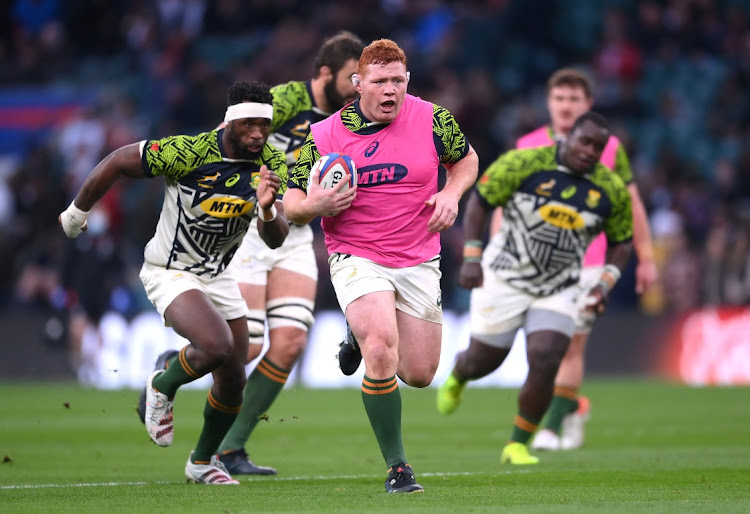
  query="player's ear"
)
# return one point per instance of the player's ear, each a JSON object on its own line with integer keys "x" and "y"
{"x": 408, "y": 76}
{"x": 325, "y": 73}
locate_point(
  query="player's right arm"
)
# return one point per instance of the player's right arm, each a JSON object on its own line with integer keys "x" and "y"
{"x": 305, "y": 199}
{"x": 475, "y": 221}
{"x": 125, "y": 161}
{"x": 493, "y": 189}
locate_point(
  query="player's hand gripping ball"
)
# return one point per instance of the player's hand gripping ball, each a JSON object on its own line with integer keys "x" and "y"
{"x": 333, "y": 167}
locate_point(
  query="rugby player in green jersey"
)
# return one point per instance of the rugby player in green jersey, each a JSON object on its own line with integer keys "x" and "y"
{"x": 216, "y": 182}
{"x": 555, "y": 200}
{"x": 279, "y": 284}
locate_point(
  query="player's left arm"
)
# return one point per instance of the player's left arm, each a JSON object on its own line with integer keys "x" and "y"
{"x": 462, "y": 165}
{"x": 618, "y": 227}
{"x": 646, "y": 272}
{"x": 272, "y": 224}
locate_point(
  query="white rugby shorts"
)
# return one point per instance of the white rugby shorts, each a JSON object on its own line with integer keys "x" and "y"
{"x": 417, "y": 288}
{"x": 498, "y": 310}
{"x": 254, "y": 259}
{"x": 164, "y": 285}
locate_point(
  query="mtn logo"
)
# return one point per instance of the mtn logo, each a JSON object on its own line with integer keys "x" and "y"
{"x": 376, "y": 174}
{"x": 226, "y": 206}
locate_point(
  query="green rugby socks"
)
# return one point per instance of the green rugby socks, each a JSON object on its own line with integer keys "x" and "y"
{"x": 263, "y": 386}
{"x": 382, "y": 400}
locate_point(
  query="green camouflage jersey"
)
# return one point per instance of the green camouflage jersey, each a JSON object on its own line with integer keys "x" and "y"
{"x": 293, "y": 113}
{"x": 550, "y": 216}
{"x": 208, "y": 202}
{"x": 450, "y": 143}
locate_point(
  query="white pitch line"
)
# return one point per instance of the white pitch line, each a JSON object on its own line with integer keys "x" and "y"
{"x": 252, "y": 479}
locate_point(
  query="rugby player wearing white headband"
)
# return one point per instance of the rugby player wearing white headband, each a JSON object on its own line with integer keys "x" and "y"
{"x": 215, "y": 181}
{"x": 279, "y": 285}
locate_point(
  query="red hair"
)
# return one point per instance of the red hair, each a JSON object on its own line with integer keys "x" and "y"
{"x": 381, "y": 51}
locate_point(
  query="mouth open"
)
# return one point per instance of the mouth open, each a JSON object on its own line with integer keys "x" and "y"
{"x": 388, "y": 105}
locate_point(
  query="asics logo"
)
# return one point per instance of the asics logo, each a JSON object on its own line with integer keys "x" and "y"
{"x": 372, "y": 149}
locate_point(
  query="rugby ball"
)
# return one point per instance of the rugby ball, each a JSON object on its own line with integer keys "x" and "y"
{"x": 333, "y": 167}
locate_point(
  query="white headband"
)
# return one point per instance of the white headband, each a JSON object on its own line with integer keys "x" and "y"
{"x": 249, "y": 110}
{"x": 356, "y": 79}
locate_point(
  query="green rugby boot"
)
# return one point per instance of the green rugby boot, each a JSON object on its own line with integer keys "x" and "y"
{"x": 518, "y": 454}
{"x": 449, "y": 395}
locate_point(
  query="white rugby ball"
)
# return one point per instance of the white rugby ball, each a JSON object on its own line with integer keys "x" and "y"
{"x": 333, "y": 167}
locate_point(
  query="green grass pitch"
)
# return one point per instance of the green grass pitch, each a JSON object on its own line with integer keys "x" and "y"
{"x": 651, "y": 447}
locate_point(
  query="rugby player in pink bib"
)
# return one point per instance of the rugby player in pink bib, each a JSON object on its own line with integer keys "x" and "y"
{"x": 383, "y": 236}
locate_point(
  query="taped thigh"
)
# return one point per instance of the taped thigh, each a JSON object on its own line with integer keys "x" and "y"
{"x": 290, "y": 311}
{"x": 256, "y": 325}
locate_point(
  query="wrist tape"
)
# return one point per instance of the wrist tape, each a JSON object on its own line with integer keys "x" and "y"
{"x": 273, "y": 213}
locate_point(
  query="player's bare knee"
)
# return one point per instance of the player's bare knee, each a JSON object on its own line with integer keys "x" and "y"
{"x": 231, "y": 383}
{"x": 544, "y": 363}
{"x": 220, "y": 351}
{"x": 253, "y": 351}
{"x": 237, "y": 379}
{"x": 295, "y": 345}
{"x": 421, "y": 377}
{"x": 211, "y": 351}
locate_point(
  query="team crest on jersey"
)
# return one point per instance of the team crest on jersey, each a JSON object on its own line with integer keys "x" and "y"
{"x": 226, "y": 206}
{"x": 561, "y": 216}
{"x": 592, "y": 200}
{"x": 255, "y": 179}
{"x": 545, "y": 188}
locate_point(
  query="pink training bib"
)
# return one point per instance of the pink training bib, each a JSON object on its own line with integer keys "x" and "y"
{"x": 397, "y": 170}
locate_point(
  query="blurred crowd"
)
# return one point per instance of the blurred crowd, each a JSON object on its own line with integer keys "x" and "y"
{"x": 672, "y": 77}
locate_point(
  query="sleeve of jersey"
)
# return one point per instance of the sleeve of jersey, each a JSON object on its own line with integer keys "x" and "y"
{"x": 275, "y": 160}
{"x": 308, "y": 156}
{"x": 285, "y": 104}
{"x": 173, "y": 156}
{"x": 618, "y": 226}
{"x": 622, "y": 165}
{"x": 450, "y": 142}
{"x": 501, "y": 179}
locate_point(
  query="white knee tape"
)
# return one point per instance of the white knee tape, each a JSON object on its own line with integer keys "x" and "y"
{"x": 256, "y": 325}
{"x": 290, "y": 312}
